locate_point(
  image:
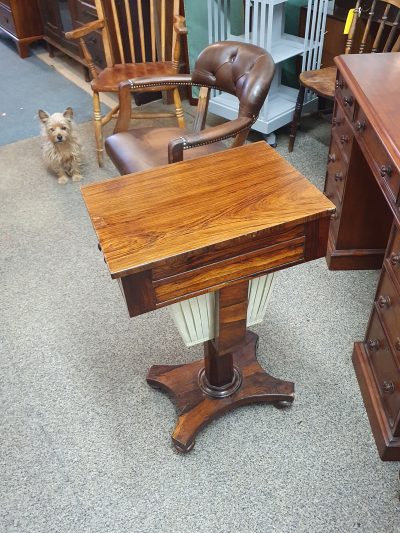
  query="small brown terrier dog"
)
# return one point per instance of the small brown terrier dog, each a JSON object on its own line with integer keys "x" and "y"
{"x": 61, "y": 148}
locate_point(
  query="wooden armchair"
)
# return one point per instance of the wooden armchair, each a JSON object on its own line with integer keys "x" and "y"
{"x": 241, "y": 69}
{"x": 386, "y": 39}
{"x": 148, "y": 36}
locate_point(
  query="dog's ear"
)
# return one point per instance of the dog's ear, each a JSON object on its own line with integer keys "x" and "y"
{"x": 68, "y": 113}
{"x": 43, "y": 115}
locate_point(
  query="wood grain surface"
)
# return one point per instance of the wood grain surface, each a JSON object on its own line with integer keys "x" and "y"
{"x": 143, "y": 220}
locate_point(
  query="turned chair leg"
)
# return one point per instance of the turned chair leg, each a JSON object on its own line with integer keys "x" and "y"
{"x": 178, "y": 108}
{"x": 98, "y": 131}
{"x": 296, "y": 117}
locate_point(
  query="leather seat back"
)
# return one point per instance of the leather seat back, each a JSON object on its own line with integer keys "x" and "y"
{"x": 243, "y": 70}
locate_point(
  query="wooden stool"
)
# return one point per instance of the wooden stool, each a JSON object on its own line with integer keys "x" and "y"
{"x": 209, "y": 224}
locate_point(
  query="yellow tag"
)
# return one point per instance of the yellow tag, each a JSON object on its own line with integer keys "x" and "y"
{"x": 349, "y": 20}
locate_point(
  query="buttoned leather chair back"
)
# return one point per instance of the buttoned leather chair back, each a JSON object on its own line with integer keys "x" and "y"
{"x": 241, "y": 69}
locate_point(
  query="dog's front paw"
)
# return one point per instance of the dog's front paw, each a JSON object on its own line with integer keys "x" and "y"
{"x": 77, "y": 177}
{"x": 62, "y": 180}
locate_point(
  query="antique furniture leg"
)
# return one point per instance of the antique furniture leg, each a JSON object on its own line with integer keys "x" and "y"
{"x": 229, "y": 375}
{"x": 98, "y": 128}
{"x": 296, "y": 117}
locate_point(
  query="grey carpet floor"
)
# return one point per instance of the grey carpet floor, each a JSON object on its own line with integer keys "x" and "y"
{"x": 85, "y": 443}
{"x": 24, "y": 88}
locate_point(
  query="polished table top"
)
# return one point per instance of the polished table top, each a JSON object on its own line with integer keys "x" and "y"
{"x": 148, "y": 218}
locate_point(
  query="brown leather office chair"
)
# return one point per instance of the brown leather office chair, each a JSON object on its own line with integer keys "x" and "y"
{"x": 140, "y": 38}
{"x": 322, "y": 81}
{"x": 241, "y": 69}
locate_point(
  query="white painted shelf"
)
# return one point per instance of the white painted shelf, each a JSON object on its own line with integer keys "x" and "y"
{"x": 264, "y": 26}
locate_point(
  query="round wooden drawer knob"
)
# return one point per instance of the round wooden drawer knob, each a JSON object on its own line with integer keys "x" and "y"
{"x": 373, "y": 344}
{"x": 388, "y": 387}
{"x": 384, "y": 301}
{"x": 395, "y": 258}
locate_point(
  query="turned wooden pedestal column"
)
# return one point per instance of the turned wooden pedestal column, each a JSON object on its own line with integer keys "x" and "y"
{"x": 227, "y": 377}
{"x": 209, "y": 225}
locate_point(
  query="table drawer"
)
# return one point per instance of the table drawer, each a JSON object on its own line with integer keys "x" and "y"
{"x": 385, "y": 369}
{"x": 388, "y": 302}
{"x": 214, "y": 276}
{"x": 6, "y": 19}
{"x": 345, "y": 96}
{"x": 382, "y": 164}
{"x": 336, "y": 171}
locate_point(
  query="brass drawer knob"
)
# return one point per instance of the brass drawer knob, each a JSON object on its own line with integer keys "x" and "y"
{"x": 388, "y": 387}
{"x": 384, "y": 301}
{"x": 336, "y": 121}
{"x": 344, "y": 139}
{"x": 348, "y": 101}
{"x": 386, "y": 171}
{"x": 335, "y": 215}
{"x": 339, "y": 84}
{"x": 373, "y": 344}
{"x": 360, "y": 125}
{"x": 395, "y": 258}
{"x": 338, "y": 176}
{"x": 397, "y": 344}
{"x": 331, "y": 158}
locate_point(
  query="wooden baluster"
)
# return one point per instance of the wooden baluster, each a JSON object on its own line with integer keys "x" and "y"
{"x": 141, "y": 30}
{"x": 88, "y": 59}
{"x": 367, "y": 28}
{"x": 201, "y": 111}
{"x": 130, "y": 30}
{"x": 118, "y": 31}
{"x": 350, "y": 37}
{"x": 380, "y": 29}
{"x": 108, "y": 52}
{"x": 152, "y": 31}
{"x": 392, "y": 33}
{"x": 163, "y": 16}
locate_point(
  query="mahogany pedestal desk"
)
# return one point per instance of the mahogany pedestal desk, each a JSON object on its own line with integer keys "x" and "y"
{"x": 363, "y": 180}
{"x": 209, "y": 224}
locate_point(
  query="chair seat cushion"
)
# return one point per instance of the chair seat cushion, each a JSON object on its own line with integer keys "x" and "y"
{"x": 109, "y": 78}
{"x": 144, "y": 148}
{"x": 320, "y": 81}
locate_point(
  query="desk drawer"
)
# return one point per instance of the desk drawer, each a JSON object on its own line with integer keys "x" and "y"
{"x": 342, "y": 131}
{"x": 392, "y": 258}
{"x": 6, "y": 19}
{"x": 345, "y": 96}
{"x": 214, "y": 276}
{"x": 385, "y": 369}
{"x": 336, "y": 170}
{"x": 382, "y": 164}
{"x": 388, "y": 302}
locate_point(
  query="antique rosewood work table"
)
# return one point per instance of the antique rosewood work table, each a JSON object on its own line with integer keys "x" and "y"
{"x": 209, "y": 224}
{"x": 363, "y": 180}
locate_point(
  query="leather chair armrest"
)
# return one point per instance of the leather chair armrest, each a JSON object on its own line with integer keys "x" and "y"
{"x": 208, "y": 136}
{"x": 85, "y": 29}
{"x": 180, "y": 25}
{"x": 138, "y": 84}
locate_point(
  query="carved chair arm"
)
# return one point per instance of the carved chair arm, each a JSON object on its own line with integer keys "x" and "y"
{"x": 85, "y": 29}
{"x": 238, "y": 127}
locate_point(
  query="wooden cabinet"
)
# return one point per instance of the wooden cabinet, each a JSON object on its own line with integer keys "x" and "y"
{"x": 21, "y": 21}
{"x": 60, "y": 16}
{"x": 363, "y": 181}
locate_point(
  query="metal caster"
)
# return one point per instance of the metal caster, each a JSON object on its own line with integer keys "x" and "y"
{"x": 179, "y": 448}
{"x": 284, "y": 404}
